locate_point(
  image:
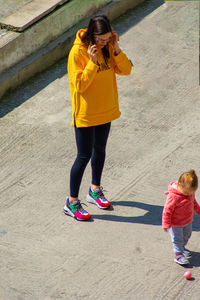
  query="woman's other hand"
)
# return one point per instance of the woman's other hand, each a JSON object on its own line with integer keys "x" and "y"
{"x": 115, "y": 39}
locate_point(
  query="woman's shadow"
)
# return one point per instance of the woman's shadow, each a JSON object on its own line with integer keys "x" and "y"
{"x": 153, "y": 215}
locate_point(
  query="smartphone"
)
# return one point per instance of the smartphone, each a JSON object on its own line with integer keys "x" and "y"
{"x": 93, "y": 40}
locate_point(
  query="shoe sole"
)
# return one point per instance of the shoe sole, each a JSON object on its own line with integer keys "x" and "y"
{"x": 69, "y": 213}
{"x": 187, "y": 256}
{"x": 178, "y": 262}
{"x": 91, "y": 200}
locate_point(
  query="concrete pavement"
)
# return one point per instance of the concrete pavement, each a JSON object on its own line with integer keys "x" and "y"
{"x": 122, "y": 253}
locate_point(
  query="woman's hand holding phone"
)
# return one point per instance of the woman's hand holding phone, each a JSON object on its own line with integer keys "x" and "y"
{"x": 92, "y": 51}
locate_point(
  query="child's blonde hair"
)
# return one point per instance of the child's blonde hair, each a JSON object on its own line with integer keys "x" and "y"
{"x": 188, "y": 179}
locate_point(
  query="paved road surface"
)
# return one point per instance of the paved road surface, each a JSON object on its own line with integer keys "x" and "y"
{"x": 123, "y": 253}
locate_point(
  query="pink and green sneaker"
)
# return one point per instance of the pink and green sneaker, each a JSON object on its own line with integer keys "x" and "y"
{"x": 76, "y": 210}
{"x": 97, "y": 197}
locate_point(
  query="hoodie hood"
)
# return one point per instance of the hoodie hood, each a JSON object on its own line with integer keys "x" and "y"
{"x": 79, "y": 35}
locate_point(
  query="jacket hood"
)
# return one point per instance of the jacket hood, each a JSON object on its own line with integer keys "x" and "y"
{"x": 79, "y": 34}
{"x": 172, "y": 188}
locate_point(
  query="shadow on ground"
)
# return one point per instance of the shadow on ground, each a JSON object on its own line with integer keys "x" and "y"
{"x": 194, "y": 261}
{"x": 153, "y": 216}
{"x": 196, "y": 223}
{"x": 32, "y": 86}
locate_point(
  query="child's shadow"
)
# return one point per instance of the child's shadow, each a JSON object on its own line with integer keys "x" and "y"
{"x": 196, "y": 223}
{"x": 195, "y": 259}
{"x": 153, "y": 215}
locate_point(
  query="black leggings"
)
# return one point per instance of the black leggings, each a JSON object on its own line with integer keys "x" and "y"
{"x": 91, "y": 144}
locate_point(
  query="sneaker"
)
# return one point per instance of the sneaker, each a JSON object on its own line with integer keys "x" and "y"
{"x": 187, "y": 253}
{"x": 76, "y": 210}
{"x": 97, "y": 197}
{"x": 181, "y": 259}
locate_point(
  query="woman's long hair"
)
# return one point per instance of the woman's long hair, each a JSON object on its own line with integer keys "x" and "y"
{"x": 98, "y": 25}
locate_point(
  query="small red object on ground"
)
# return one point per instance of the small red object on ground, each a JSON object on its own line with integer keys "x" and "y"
{"x": 188, "y": 275}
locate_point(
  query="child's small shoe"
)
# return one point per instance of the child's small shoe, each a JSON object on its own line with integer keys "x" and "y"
{"x": 97, "y": 197}
{"x": 76, "y": 210}
{"x": 181, "y": 259}
{"x": 187, "y": 253}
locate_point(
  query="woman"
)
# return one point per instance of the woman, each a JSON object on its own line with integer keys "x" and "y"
{"x": 93, "y": 61}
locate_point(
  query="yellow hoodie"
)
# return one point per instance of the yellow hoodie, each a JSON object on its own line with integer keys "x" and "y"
{"x": 93, "y": 87}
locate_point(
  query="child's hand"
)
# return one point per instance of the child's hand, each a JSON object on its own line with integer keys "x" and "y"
{"x": 165, "y": 229}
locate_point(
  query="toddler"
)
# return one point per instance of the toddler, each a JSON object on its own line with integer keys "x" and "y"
{"x": 178, "y": 211}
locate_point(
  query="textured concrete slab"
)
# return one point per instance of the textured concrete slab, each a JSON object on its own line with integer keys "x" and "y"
{"x": 124, "y": 253}
{"x": 9, "y": 6}
{"x": 29, "y": 14}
